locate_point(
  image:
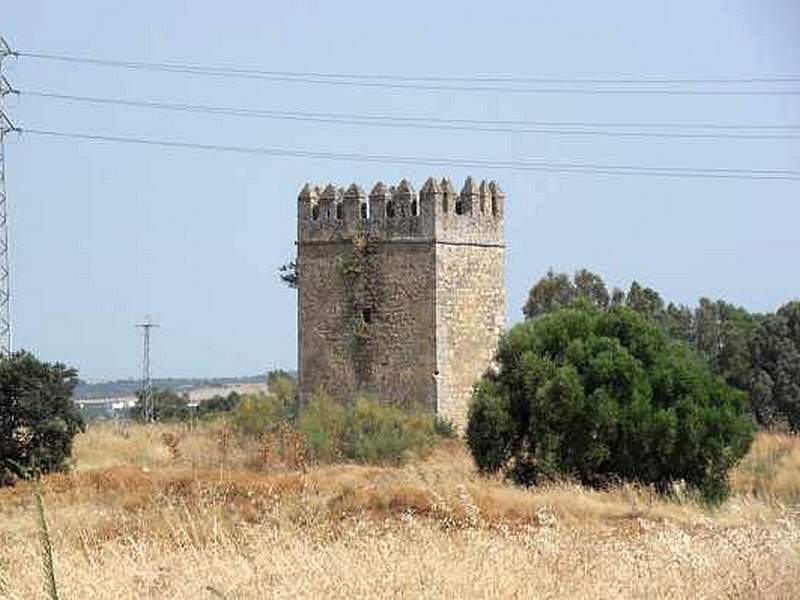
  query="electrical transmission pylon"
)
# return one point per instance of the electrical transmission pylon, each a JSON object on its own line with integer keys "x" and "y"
{"x": 148, "y": 402}
{"x": 6, "y": 126}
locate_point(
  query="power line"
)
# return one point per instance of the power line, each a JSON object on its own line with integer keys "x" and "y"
{"x": 508, "y": 165}
{"x": 714, "y": 131}
{"x": 450, "y": 83}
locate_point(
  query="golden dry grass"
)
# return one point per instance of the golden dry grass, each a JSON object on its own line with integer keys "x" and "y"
{"x": 135, "y": 521}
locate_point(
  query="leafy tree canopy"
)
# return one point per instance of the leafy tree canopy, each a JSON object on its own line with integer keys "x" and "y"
{"x": 602, "y": 395}
{"x": 556, "y": 290}
{"x": 759, "y": 354}
{"x": 38, "y": 419}
{"x": 775, "y": 377}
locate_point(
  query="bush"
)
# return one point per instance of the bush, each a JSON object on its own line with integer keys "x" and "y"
{"x": 323, "y": 423}
{"x": 217, "y": 404}
{"x": 377, "y": 432}
{"x": 38, "y": 418}
{"x": 444, "y": 427}
{"x": 284, "y": 387}
{"x": 602, "y": 396}
{"x": 256, "y": 414}
{"x": 367, "y": 431}
{"x": 261, "y": 413}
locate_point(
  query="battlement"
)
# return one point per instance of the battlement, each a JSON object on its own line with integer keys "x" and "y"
{"x": 436, "y": 213}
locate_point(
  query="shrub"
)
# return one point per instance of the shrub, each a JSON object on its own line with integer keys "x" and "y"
{"x": 368, "y": 431}
{"x": 381, "y": 433}
{"x": 38, "y": 419}
{"x": 256, "y": 414}
{"x": 217, "y": 404}
{"x": 323, "y": 423}
{"x": 601, "y": 396}
{"x": 444, "y": 427}
{"x": 284, "y": 388}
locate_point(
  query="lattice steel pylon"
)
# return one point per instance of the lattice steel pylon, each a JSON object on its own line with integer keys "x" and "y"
{"x": 148, "y": 402}
{"x": 6, "y": 126}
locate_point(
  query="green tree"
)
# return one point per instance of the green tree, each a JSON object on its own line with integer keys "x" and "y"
{"x": 167, "y": 406}
{"x": 551, "y": 292}
{"x": 591, "y": 287}
{"x": 755, "y": 353}
{"x": 645, "y": 300}
{"x": 38, "y": 419}
{"x": 218, "y": 404}
{"x": 603, "y": 396}
{"x": 678, "y": 322}
{"x": 556, "y": 290}
{"x": 775, "y": 378}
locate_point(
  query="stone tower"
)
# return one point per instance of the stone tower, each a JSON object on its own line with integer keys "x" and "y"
{"x": 400, "y": 295}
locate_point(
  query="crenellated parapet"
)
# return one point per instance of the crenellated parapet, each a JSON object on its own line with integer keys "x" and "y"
{"x": 436, "y": 213}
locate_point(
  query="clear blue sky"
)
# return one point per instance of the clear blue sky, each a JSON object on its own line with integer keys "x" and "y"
{"x": 104, "y": 233}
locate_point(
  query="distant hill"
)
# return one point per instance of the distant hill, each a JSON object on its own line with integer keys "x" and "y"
{"x": 129, "y": 387}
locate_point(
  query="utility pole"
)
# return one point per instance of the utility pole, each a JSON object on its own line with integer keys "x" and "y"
{"x": 148, "y": 402}
{"x": 6, "y": 126}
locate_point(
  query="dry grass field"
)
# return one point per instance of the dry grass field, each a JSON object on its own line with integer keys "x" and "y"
{"x": 200, "y": 514}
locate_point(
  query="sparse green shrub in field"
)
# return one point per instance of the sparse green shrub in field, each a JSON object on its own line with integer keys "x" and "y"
{"x": 217, "y": 404}
{"x": 38, "y": 418}
{"x": 604, "y": 395}
{"x": 367, "y": 431}
{"x": 378, "y": 433}
{"x": 284, "y": 387}
{"x": 256, "y": 414}
{"x": 323, "y": 423}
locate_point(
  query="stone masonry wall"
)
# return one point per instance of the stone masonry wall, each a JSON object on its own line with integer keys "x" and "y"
{"x": 400, "y": 295}
{"x": 367, "y": 320}
{"x": 470, "y": 315}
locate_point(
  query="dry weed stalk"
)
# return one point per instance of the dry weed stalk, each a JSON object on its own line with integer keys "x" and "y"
{"x": 172, "y": 441}
{"x": 285, "y": 447}
{"x": 48, "y": 564}
{"x": 225, "y": 440}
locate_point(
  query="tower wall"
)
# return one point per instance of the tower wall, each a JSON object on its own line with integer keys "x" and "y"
{"x": 400, "y": 294}
{"x": 470, "y": 315}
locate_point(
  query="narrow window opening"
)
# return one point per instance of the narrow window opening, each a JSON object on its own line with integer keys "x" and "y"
{"x": 414, "y": 208}
{"x": 366, "y": 315}
{"x": 494, "y": 206}
{"x": 339, "y": 211}
{"x": 315, "y": 212}
{"x": 390, "y": 209}
{"x": 364, "y": 211}
{"x": 459, "y": 207}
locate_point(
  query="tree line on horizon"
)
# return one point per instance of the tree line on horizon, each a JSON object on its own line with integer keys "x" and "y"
{"x": 758, "y": 353}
